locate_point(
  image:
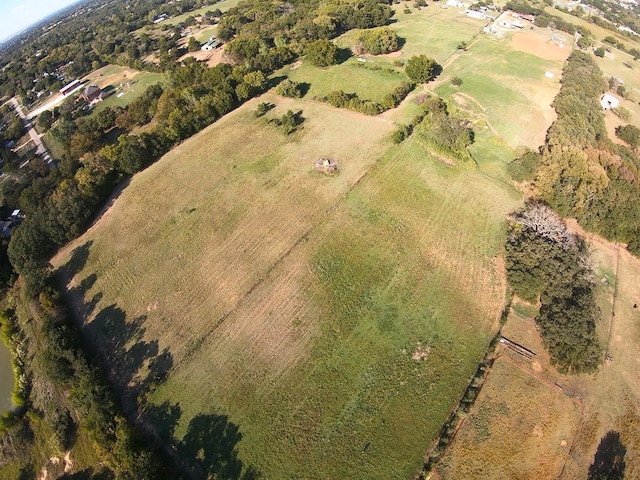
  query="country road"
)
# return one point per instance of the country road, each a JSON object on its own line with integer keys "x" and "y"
{"x": 41, "y": 150}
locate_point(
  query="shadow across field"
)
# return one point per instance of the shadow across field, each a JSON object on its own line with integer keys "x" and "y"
{"x": 136, "y": 366}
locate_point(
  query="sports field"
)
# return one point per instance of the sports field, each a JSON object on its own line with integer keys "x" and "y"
{"x": 295, "y": 300}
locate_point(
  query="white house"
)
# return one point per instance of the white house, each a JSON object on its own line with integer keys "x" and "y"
{"x": 608, "y": 101}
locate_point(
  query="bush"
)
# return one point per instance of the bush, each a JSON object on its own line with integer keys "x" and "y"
{"x": 377, "y": 41}
{"x": 289, "y": 88}
{"x": 599, "y": 52}
{"x": 322, "y": 53}
{"x": 263, "y": 108}
{"x": 400, "y": 134}
{"x": 421, "y": 69}
{"x": 457, "y": 81}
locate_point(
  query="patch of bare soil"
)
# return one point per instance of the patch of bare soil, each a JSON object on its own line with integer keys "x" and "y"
{"x": 540, "y": 46}
{"x": 211, "y": 57}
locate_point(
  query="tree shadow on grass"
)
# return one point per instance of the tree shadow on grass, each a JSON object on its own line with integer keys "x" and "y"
{"x": 136, "y": 365}
{"x": 608, "y": 463}
{"x": 211, "y": 443}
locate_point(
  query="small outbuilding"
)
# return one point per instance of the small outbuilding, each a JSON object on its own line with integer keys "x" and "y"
{"x": 608, "y": 101}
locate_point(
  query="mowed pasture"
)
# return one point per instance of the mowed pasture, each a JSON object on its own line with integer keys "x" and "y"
{"x": 436, "y": 30}
{"x": 370, "y": 80}
{"x": 507, "y": 87}
{"x": 291, "y": 301}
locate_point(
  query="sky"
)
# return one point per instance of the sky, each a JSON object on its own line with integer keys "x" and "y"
{"x": 17, "y": 15}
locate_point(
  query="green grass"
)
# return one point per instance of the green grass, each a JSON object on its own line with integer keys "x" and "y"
{"x": 509, "y": 88}
{"x": 371, "y": 81}
{"x": 141, "y": 81}
{"x": 434, "y": 31}
{"x": 308, "y": 345}
{"x": 224, "y": 5}
{"x": 206, "y": 34}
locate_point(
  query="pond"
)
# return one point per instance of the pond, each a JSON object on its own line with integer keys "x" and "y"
{"x": 6, "y": 378}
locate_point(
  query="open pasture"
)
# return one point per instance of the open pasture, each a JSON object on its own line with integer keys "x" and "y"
{"x": 223, "y": 5}
{"x": 290, "y": 301}
{"x": 507, "y": 87}
{"x": 370, "y": 80}
{"x": 435, "y": 30}
{"x": 127, "y": 84}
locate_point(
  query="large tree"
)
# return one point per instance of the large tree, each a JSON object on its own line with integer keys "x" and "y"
{"x": 421, "y": 68}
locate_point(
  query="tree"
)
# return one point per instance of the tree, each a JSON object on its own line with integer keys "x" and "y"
{"x": 194, "y": 45}
{"x": 377, "y": 41}
{"x": 599, "y": 52}
{"x": 45, "y": 120}
{"x": 421, "y": 68}
{"x": 322, "y": 53}
{"x": 289, "y": 88}
{"x": 630, "y": 134}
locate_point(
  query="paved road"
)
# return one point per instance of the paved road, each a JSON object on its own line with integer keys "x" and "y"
{"x": 40, "y": 148}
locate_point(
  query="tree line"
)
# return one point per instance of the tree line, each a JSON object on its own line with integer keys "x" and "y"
{"x": 547, "y": 263}
{"x": 579, "y": 172}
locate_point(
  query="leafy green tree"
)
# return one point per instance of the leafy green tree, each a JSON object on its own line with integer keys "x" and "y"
{"x": 421, "y": 68}
{"x": 629, "y": 134}
{"x": 45, "y": 120}
{"x": 289, "y": 88}
{"x": 599, "y": 52}
{"x": 322, "y": 53}
{"x": 377, "y": 41}
{"x": 194, "y": 45}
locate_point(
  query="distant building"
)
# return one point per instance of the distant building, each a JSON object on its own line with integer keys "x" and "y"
{"x": 608, "y": 101}
{"x": 211, "y": 44}
{"x": 93, "y": 92}
{"x": 67, "y": 89}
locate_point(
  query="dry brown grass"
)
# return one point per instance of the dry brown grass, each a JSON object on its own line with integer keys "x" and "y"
{"x": 253, "y": 195}
{"x": 519, "y": 428}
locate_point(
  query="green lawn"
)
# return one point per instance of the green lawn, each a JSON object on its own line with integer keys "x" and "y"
{"x": 129, "y": 93}
{"x": 371, "y": 81}
{"x": 224, "y": 5}
{"x": 507, "y": 87}
{"x": 434, "y": 31}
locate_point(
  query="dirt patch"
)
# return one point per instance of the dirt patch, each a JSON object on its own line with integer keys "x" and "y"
{"x": 540, "y": 46}
{"x": 211, "y": 57}
{"x": 611, "y": 121}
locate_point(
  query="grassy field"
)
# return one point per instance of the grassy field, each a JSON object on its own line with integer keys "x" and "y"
{"x": 506, "y": 87}
{"x": 128, "y": 84}
{"x": 371, "y": 80}
{"x": 509, "y": 434}
{"x": 336, "y": 282}
{"x": 223, "y": 5}
{"x": 433, "y": 30}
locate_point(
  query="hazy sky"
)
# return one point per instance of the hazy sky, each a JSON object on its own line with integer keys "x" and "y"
{"x": 17, "y": 15}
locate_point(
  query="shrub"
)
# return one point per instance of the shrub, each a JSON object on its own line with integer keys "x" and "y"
{"x": 289, "y": 88}
{"x": 421, "y": 68}
{"x": 377, "y": 41}
{"x": 457, "y": 81}
{"x": 262, "y": 108}
{"x": 322, "y": 53}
